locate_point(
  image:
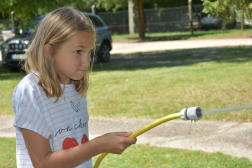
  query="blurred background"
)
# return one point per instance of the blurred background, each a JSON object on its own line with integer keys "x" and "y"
{"x": 127, "y": 16}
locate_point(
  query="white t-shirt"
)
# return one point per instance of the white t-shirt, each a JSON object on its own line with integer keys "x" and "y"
{"x": 64, "y": 123}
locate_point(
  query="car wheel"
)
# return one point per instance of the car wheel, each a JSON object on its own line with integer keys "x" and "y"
{"x": 219, "y": 26}
{"x": 104, "y": 53}
{"x": 13, "y": 68}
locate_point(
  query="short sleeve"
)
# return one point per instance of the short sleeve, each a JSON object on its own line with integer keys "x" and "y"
{"x": 28, "y": 113}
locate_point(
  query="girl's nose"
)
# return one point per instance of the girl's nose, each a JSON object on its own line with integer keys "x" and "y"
{"x": 85, "y": 60}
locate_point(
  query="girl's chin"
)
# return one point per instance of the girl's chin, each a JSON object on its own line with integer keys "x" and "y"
{"x": 76, "y": 78}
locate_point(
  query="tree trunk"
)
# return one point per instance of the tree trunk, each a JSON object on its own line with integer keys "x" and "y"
{"x": 242, "y": 19}
{"x": 140, "y": 18}
{"x": 190, "y": 15}
{"x": 131, "y": 17}
{"x": 181, "y": 19}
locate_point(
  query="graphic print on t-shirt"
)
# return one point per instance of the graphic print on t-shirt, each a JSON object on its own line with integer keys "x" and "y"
{"x": 84, "y": 139}
{"x": 69, "y": 143}
{"x": 72, "y": 142}
{"x": 75, "y": 107}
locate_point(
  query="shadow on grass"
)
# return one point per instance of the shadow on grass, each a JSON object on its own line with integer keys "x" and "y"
{"x": 198, "y": 34}
{"x": 175, "y": 58}
{"x": 5, "y": 74}
{"x": 171, "y": 58}
{"x": 167, "y": 38}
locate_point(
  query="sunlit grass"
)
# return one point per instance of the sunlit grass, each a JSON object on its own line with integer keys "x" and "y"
{"x": 8, "y": 152}
{"x": 210, "y": 78}
{"x": 155, "y": 84}
{"x": 139, "y": 156}
{"x": 8, "y": 82}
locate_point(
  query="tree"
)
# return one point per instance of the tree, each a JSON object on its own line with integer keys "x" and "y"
{"x": 27, "y": 10}
{"x": 168, "y": 3}
{"x": 226, "y": 9}
{"x": 139, "y": 5}
{"x": 117, "y": 4}
{"x": 140, "y": 18}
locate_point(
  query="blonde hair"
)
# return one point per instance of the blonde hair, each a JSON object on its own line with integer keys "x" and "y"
{"x": 55, "y": 29}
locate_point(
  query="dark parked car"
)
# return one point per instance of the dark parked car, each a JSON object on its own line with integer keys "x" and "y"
{"x": 14, "y": 49}
{"x": 212, "y": 22}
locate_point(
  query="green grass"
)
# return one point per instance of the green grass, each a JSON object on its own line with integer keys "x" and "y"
{"x": 7, "y": 152}
{"x": 155, "y": 84}
{"x": 210, "y": 34}
{"x": 143, "y": 156}
{"x": 140, "y": 156}
{"x": 152, "y": 85}
{"x": 8, "y": 82}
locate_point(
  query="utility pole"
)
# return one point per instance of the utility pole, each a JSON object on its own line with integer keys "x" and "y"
{"x": 190, "y": 15}
{"x": 131, "y": 17}
{"x": 12, "y": 20}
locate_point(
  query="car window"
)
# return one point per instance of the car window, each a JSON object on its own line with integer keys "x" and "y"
{"x": 96, "y": 21}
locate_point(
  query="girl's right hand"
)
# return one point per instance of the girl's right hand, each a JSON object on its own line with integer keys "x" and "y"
{"x": 116, "y": 142}
{"x": 42, "y": 156}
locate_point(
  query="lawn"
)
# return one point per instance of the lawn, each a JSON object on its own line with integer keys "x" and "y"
{"x": 140, "y": 156}
{"x": 199, "y": 34}
{"x": 7, "y": 152}
{"x": 8, "y": 82}
{"x": 143, "y": 156}
{"x": 155, "y": 84}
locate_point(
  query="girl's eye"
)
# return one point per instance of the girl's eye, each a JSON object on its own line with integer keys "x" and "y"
{"x": 78, "y": 51}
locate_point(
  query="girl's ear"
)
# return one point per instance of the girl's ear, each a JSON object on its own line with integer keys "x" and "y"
{"x": 47, "y": 51}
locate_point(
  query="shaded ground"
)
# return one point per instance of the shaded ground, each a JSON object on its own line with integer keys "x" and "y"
{"x": 166, "y": 57}
{"x": 170, "y": 58}
{"x": 171, "y": 38}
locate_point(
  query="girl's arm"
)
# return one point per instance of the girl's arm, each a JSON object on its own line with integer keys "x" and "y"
{"x": 42, "y": 156}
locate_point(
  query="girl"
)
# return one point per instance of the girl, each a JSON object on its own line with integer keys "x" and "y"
{"x": 50, "y": 105}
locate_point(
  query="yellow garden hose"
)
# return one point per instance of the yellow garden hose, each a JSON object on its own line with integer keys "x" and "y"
{"x": 141, "y": 131}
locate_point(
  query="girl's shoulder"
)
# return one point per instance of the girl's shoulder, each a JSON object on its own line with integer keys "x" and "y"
{"x": 30, "y": 81}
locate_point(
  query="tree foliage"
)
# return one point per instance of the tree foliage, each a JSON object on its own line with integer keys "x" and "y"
{"x": 226, "y": 9}
{"x": 113, "y": 5}
{"x": 27, "y": 10}
{"x": 168, "y": 3}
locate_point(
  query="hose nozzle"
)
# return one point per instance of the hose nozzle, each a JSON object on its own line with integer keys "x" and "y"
{"x": 192, "y": 113}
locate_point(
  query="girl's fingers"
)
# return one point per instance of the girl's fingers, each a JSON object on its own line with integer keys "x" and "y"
{"x": 124, "y": 134}
{"x": 126, "y": 140}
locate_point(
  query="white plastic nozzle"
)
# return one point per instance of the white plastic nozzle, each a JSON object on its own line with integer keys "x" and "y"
{"x": 192, "y": 113}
